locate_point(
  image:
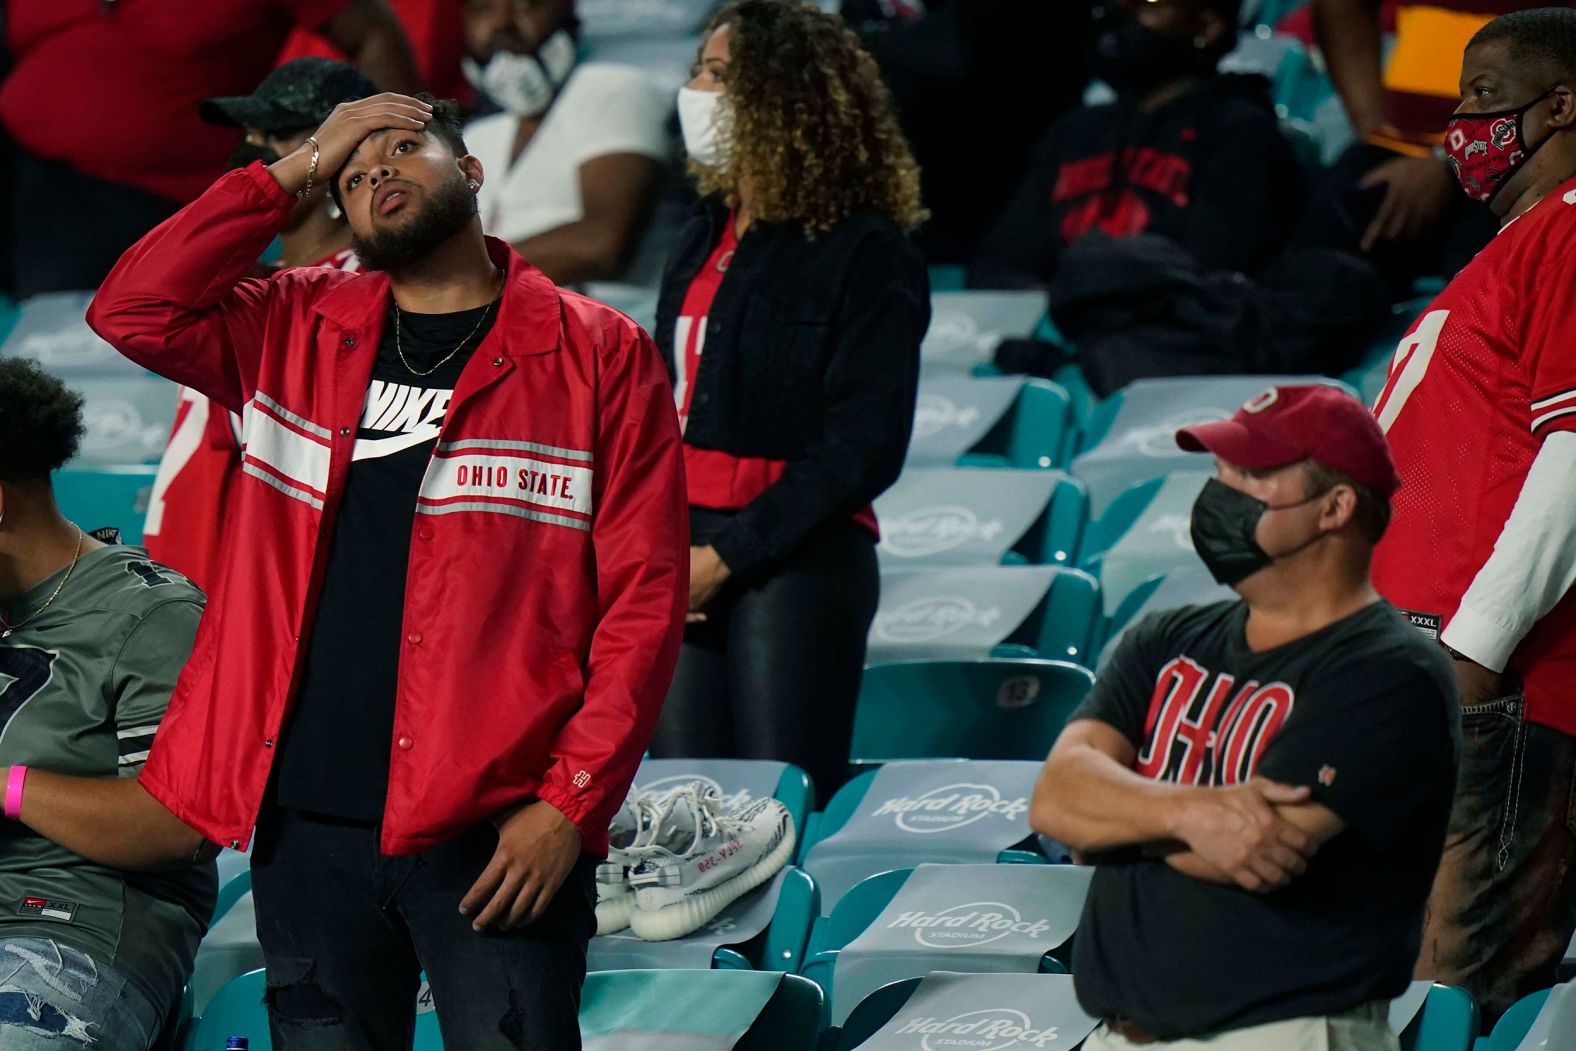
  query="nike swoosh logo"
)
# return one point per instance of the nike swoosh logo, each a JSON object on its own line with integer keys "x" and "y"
{"x": 373, "y": 448}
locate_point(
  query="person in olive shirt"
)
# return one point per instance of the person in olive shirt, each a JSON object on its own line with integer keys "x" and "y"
{"x": 103, "y": 893}
{"x": 1263, "y": 784}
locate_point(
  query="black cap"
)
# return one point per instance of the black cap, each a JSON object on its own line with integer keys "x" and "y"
{"x": 299, "y": 94}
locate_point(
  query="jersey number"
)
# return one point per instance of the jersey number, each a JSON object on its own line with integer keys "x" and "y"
{"x": 1411, "y": 361}
{"x": 24, "y": 670}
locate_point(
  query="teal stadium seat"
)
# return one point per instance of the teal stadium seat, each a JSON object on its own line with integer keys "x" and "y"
{"x": 1184, "y": 586}
{"x": 981, "y": 709}
{"x": 107, "y": 496}
{"x": 795, "y": 792}
{"x": 1033, "y": 433}
{"x": 873, "y": 1012}
{"x": 1066, "y": 626}
{"x": 846, "y": 801}
{"x": 781, "y": 947}
{"x": 850, "y": 917}
{"x": 1513, "y": 1025}
{"x": 947, "y": 278}
{"x": 1144, "y": 533}
{"x": 1054, "y": 539}
{"x": 8, "y": 315}
{"x": 1449, "y": 1021}
{"x": 236, "y": 1010}
{"x": 768, "y": 1011}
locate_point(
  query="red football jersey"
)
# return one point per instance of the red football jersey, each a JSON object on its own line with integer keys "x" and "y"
{"x": 184, "y": 528}
{"x": 1483, "y": 376}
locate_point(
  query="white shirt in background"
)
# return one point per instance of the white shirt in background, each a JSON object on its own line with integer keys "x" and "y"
{"x": 603, "y": 109}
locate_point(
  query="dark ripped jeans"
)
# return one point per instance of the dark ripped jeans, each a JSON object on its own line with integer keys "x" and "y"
{"x": 346, "y": 932}
{"x": 1504, "y": 902}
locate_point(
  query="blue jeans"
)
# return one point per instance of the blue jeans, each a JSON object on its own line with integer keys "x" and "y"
{"x": 53, "y": 998}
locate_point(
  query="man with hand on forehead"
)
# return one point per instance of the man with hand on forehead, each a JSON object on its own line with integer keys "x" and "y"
{"x": 453, "y": 604}
{"x": 1262, "y": 784}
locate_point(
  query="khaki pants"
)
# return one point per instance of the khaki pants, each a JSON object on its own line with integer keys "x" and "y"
{"x": 1365, "y": 1028}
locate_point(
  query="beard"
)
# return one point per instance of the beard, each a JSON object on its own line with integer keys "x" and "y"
{"x": 449, "y": 209}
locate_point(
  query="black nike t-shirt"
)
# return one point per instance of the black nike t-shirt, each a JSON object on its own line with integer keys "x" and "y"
{"x": 1364, "y": 713}
{"x": 334, "y": 758}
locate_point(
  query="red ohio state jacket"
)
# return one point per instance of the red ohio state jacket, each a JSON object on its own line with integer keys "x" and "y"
{"x": 549, "y": 559}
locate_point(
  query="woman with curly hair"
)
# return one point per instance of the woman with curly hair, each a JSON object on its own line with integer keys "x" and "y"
{"x": 790, "y": 315}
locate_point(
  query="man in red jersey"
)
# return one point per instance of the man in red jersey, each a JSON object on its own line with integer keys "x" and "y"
{"x": 1480, "y": 410}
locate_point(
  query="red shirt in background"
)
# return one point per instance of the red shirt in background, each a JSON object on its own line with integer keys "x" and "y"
{"x": 112, "y": 88}
{"x": 436, "y": 34}
{"x": 717, "y": 480}
{"x": 198, "y": 472}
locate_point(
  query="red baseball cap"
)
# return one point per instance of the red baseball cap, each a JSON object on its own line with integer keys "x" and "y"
{"x": 1310, "y": 422}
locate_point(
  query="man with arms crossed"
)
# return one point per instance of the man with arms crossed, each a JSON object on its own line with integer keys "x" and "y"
{"x": 453, "y": 601}
{"x": 1263, "y": 784}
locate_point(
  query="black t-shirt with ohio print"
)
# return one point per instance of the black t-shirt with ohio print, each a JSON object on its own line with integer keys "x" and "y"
{"x": 1364, "y": 713}
{"x": 335, "y": 753}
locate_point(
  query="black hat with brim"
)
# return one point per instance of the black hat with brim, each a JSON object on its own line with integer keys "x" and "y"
{"x": 299, "y": 94}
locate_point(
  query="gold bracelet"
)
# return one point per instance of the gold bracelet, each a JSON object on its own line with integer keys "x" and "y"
{"x": 311, "y": 170}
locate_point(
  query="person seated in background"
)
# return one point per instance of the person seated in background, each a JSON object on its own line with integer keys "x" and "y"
{"x": 184, "y": 527}
{"x": 949, "y": 67}
{"x": 102, "y": 107}
{"x": 106, "y": 893}
{"x": 1184, "y": 152}
{"x": 1391, "y": 195}
{"x": 1262, "y": 784}
{"x": 576, "y": 155}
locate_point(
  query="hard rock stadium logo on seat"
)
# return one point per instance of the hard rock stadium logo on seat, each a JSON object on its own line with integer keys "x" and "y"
{"x": 950, "y": 807}
{"x": 988, "y": 1029}
{"x": 968, "y": 926}
{"x": 1159, "y": 439}
{"x": 926, "y": 619}
{"x": 932, "y": 530}
{"x": 934, "y": 414}
{"x": 664, "y": 785}
{"x": 956, "y": 330}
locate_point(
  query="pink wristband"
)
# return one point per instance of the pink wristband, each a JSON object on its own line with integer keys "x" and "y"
{"x": 13, "y": 792}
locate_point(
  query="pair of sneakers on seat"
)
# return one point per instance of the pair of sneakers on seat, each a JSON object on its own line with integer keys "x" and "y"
{"x": 678, "y": 859}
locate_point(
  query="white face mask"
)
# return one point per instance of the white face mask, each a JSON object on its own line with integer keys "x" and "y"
{"x": 701, "y": 115}
{"x": 524, "y": 85}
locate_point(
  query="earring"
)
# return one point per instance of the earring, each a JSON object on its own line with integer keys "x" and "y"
{"x": 473, "y": 185}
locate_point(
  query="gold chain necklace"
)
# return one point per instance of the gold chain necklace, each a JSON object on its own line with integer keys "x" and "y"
{"x": 6, "y": 634}
{"x": 450, "y": 355}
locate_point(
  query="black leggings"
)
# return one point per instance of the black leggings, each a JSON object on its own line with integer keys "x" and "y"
{"x": 773, "y": 673}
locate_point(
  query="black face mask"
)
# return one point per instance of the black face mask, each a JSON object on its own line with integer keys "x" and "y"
{"x": 1133, "y": 58}
{"x": 1223, "y": 525}
{"x": 247, "y": 152}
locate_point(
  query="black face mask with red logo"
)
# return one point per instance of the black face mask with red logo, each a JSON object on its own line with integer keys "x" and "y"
{"x": 1132, "y": 58}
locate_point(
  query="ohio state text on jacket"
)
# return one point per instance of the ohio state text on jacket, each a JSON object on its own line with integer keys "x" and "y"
{"x": 548, "y": 564}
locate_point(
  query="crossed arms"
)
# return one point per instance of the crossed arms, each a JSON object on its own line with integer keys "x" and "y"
{"x": 1258, "y": 835}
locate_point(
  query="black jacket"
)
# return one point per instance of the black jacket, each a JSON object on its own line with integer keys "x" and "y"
{"x": 1209, "y": 170}
{"x": 1138, "y": 307}
{"x": 812, "y": 356}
